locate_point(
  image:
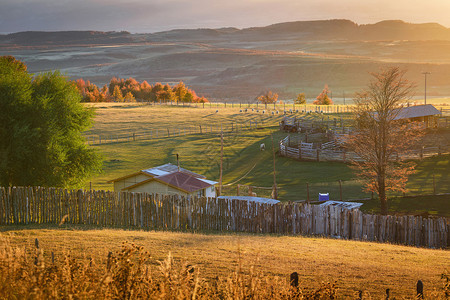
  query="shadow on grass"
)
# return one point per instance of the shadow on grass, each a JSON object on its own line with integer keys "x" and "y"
{"x": 430, "y": 205}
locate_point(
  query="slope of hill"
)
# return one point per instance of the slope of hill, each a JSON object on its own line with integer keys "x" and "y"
{"x": 305, "y": 30}
{"x": 237, "y": 64}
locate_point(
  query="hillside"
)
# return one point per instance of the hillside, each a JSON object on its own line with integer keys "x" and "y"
{"x": 237, "y": 64}
{"x": 304, "y": 30}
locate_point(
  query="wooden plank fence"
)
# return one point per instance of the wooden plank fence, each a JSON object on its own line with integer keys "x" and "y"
{"x": 316, "y": 154}
{"x": 37, "y": 205}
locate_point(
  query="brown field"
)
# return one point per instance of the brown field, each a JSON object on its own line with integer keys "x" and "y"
{"x": 370, "y": 267}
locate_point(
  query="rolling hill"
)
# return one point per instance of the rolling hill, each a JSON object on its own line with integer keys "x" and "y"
{"x": 237, "y": 64}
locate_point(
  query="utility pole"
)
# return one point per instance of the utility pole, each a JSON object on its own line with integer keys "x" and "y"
{"x": 221, "y": 162}
{"x": 274, "y": 190}
{"x": 426, "y": 73}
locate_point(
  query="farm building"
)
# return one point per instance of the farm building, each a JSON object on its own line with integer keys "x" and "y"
{"x": 422, "y": 113}
{"x": 167, "y": 179}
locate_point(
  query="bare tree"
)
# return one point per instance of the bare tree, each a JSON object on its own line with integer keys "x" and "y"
{"x": 380, "y": 136}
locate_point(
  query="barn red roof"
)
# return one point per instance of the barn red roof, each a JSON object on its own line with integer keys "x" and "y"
{"x": 184, "y": 181}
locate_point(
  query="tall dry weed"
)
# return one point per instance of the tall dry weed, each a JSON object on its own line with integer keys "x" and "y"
{"x": 131, "y": 273}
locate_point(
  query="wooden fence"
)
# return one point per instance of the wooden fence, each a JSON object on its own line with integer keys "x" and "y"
{"x": 94, "y": 139}
{"x": 316, "y": 154}
{"x": 36, "y": 205}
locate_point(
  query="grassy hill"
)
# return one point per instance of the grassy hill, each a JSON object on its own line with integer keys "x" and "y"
{"x": 244, "y": 163}
{"x": 237, "y": 64}
{"x": 370, "y": 267}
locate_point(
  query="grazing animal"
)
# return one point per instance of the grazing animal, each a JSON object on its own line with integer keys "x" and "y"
{"x": 252, "y": 194}
{"x": 262, "y": 147}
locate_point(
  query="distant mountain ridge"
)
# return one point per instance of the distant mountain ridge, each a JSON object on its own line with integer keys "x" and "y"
{"x": 305, "y": 30}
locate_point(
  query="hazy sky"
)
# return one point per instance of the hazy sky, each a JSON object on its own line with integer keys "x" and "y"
{"x": 158, "y": 15}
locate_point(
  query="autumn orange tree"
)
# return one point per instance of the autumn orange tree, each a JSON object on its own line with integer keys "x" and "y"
{"x": 323, "y": 98}
{"x": 267, "y": 97}
{"x": 380, "y": 136}
{"x": 300, "y": 98}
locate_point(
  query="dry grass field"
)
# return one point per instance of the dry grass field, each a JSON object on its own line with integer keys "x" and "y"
{"x": 370, "y": 267}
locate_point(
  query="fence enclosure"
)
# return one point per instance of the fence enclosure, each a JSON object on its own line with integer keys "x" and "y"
{"x": 36, "y": 205}
{"x": 317, "y": 154}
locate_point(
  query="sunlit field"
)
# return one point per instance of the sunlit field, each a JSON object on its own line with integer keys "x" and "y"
{"x": 244, "y": 163}
{"x": 370, "y": 267}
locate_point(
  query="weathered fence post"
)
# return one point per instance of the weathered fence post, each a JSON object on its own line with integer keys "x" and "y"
{"x": 434, "y": 185}
{"x": 307, "y": 192}
{"x": 294, "y": 280}
{"x": 419, "y": 288}
{"x": 300, "y": 150}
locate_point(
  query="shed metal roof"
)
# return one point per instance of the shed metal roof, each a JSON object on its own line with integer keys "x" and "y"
{"x": 251, "y": 199}
{"x": 168, "y": 169}
{"x": 417, "y": 111}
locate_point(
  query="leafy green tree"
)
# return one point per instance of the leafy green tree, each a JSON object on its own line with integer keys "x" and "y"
{"x": 300, "y": 99}
{"x": 42, "y": 121}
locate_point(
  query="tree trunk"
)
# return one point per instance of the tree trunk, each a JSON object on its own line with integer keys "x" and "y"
{"x": 382, "y": 195}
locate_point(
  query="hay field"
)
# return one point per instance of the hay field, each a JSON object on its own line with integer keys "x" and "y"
{"x": 370, "y": 267}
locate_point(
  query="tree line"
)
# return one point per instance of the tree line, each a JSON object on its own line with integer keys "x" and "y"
{"x": 131, "y": 90}
{"x": 269, "y": 97}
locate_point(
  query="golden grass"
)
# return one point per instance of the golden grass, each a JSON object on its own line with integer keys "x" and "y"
{"x": 370, "y": 267}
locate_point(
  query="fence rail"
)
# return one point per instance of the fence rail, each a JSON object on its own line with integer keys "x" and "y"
{"x": 36, "y": 205}
{"x": 317, "y": 154}
{"x": 94, "y": 139}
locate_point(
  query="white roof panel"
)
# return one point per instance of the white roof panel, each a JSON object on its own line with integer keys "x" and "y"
{"x": 208, "y": 181}
{"x": 251, "y": 199}
{"x": 348, "y": 205}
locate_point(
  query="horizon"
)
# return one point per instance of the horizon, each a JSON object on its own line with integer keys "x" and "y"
{"x": 142, "y": 16}
{"x": 239, "y": 28}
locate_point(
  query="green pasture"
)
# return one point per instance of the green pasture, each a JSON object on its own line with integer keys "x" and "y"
{"x": 243, "y": 162}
